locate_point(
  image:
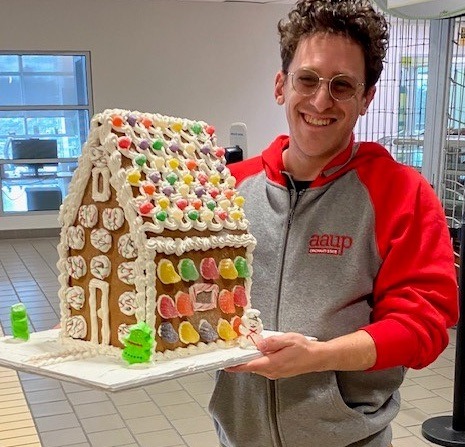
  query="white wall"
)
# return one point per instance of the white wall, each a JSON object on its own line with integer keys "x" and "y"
{"x": 214, "y": 62}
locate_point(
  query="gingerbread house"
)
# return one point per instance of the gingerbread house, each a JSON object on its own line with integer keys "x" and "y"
{"x": 153, "y": 230}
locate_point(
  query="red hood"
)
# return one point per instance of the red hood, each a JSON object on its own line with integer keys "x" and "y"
{"x": 354, "y": 155}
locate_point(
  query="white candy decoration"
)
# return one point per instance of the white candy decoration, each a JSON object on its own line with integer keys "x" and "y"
{"x": 88, "y": 216}
{"x": 76, "y": 326}
{"x": 126, "y": 272}
{"x": 76, "y": 266}
{"x": 127, "y": 303}
{"x": 75, "y": 297}
{"x": 113, "y": 218}
{"x": 75, "y": 237}
{"x": 100, "y": 266}
{"x": 251, "y": 328}
{"x": 101, "y": 239}
{"x": 126, "y": 247}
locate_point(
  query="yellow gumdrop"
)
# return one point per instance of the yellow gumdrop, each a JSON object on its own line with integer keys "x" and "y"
{"x": 227, "y": 269}
{"x": 173, "y": 163}
{"x": 215, "y": 179}
{"x": 177, "y": 126}
{"x": 134, "y": 177}
{"x": 187, "y": 333}
{"x": 225, "y": 330}
{"x": 236, "y": 214}
{"x": 188, "y": 179}
{"x": 164, "y": 202}
{"x": 166, "y": 272}
{"x": 239, "y": 201}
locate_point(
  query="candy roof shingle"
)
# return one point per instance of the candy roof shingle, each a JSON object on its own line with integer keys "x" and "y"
{"x": 169, "y": 171}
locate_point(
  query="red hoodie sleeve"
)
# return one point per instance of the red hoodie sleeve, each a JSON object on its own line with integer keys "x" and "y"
{"x": 415, "y": 293}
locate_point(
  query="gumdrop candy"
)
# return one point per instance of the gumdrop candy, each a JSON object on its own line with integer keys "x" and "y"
{"x": 19, "y": 323}
{"x": 227, "y": 269}
{"x": 242, "y": 267}
{"x": 138, "y": 344}
{"x": 226, "y": 302}
{"x": 235, "y": 323}
{"x": 184, "y": 304}
{"x": 240, "y": 297}
{"x": 166, "y": 307}
{"x": 188, "y": 270}
{"x": 187, "y": 333}
{"x": 167, "y": 332}
{"x": 208, "y": 268}
{"x": 206, "y": 332}
{"x": 117, "y": 120}
{"x": 166, "y": 272}
{"x": 225, "y": 330}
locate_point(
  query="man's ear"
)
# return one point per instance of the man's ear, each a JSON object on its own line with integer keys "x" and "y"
{"x": 370, "y": 94}
{"x": 279, "y": 87}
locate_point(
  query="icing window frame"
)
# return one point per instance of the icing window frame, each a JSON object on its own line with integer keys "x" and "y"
{"x": 204, "y": 296}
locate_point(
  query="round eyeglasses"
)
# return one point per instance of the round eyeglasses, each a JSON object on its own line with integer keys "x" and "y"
{"x": 341, "y": 87}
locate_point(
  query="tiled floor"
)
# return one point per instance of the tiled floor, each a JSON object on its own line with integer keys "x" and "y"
{"x": 172, "y": 413}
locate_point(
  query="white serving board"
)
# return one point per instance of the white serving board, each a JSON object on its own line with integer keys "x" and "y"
{"x": 110, "y": 373}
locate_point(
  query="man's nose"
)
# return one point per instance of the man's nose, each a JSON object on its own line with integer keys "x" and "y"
{"x": 322, "y": 98}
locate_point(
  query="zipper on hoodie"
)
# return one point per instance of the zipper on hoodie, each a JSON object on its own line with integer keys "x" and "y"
{"x": 294, "y": 197}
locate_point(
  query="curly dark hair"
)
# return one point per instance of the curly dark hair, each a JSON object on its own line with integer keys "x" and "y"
{"x": 355, "y": 19}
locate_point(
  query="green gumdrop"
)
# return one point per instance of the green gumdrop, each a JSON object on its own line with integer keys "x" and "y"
{"x": 171, "y": 178}
{"x": 161, "y": 216}
{"x": 187, "y": 270}
{"x": 19, "y": 323}
{"x": 157, "y": 145}
{"x": 242, "y": 267}
{"x": 138, "y": 344}
{"x": 193, "y": 215}
{"x": 141, "y": 160}
{"x": 211, "y": 205}
{"x": 196, "y": 128}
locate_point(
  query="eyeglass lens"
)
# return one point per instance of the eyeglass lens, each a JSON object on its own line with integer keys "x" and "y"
{"x": 341, "y": 87}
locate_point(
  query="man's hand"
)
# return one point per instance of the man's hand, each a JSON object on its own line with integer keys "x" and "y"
{"x": 291, "y": 354}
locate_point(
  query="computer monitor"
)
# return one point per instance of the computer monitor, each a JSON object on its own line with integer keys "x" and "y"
{"x": 34, "y": 149}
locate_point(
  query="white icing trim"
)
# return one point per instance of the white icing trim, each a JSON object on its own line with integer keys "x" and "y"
{"x": 103, "y": 312}
{"x": 104, "y": 174}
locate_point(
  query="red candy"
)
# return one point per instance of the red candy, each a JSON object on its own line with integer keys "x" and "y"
{"x": 220, "y": 151}
{"x": 235, "y": 323}
{"x": 202, "y": 178}
{"x": 166, "y": 307}
{"x": 124, "y": 142}
{"x": 210, "y": 130}
{"x": 240, "y": 297}
{"x": 226, "y": 302}
{"x": 181, "y": 203}
{"x": 146, "y": 207}
{"x": 214, "y": 192}
{"x": 209, "y": 269}
{"x": 223, "y": 215}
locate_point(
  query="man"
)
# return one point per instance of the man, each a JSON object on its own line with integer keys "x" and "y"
{"x": 352, "y": 248}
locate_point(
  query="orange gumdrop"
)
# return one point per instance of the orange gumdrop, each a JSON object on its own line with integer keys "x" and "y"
{"x": 191, "y": 164}
{"x": 226, "y": 302}
{"x": 146, "y": 122}
{"x": 184, "y": 304}
{"x": 117, "y": 121}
